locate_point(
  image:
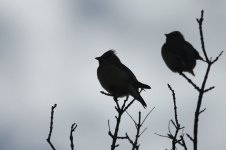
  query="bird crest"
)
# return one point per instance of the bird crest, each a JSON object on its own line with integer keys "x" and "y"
{"x": 109, "y": 53}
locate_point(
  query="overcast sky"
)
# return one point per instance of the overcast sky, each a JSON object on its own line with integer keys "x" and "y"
{"x": 47, "y": 51}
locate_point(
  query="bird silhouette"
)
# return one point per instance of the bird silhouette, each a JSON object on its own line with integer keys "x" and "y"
{"x": 117, "y": 79}
{"x": 178, "y": 54}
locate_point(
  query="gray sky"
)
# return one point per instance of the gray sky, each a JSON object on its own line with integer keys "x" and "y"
{"x": 47, "y": 51}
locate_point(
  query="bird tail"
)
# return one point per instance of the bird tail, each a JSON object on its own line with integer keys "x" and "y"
{"x": 143, "y": 86}
{"x": 135, "y": 93}
{"x": 141, "y": 100}
{"x": 198, "y": 57}
{"x": 191, "y": 72}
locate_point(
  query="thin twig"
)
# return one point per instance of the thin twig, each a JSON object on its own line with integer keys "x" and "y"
{"x": 183, "y": 142}
{"x": 115, "y": 135}
{"x": 73, "y": 127}
{"x": 175, "y": 105}
{"x": 210, "y": 88}
{"x": 120, "y": 111}
{"x": 200, "y": 20}
{"x": 51, "y": 127}
{"x": 190, "y": 81}
{"x": 202, "y": 90}
{"x": 131, "y": 141}
{"x": 217, "y": 57}
{"x": 138, "y": 125}
{"x": 165, "y": 136}
{"x": 176, "y": 125}
{"x": 126, "y": 107}
{"x": 202, "y": 111}
{"x": 190, "y": 137}
{"x": 143, "y": 131}
{"x": 135, "y": 144}
{"x": 132, "y": 119}
{"x": 147, "y": 115}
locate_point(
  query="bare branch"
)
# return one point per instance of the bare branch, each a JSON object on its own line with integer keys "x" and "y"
{"x": 200, "y": 21}
{"x": 120, "y": 110}
{"x": 190, "y": 137}
{"x": 183, "y": 144}
{"x": 135, "y": 144}
{"x": 143, "y": 131}
{"x": 138, "y": 126}
{"x": 126, "y": 107}
{"x": 131, "y": 141}
{"x": 109, "y": 127}
{"x": 165, "y": 136}
{"x": 132, "y": 119}
{"x": 202, "y": 111}
{"x": 202, "y": 90}
{"x": 73, "y": 127}
{"x": 190, "y": 81}
{"x": 178, "y": 129}
{"x": 175, "y": 105}
{"x": 51, "y": 127}
{"x": 216, "y": 59}
{"x": 210, "y": 88}
{"x": 117, "y": 107}
{"x": 147, "y": 115}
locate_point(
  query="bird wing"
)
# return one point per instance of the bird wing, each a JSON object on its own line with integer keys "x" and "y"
{"x": 174, "y": 55}
{"x": 132, "y": 78}
{"x": 116, "y": 76}
{"x": 190, "y": 49}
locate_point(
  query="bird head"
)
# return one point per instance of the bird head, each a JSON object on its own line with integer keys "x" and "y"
{"x": 108, "y": 57}
{"x": 174, "y": 36}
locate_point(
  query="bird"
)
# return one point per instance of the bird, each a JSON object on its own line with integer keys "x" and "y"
{"x": 178, "y": 54}
{"x": 117, "y": 79}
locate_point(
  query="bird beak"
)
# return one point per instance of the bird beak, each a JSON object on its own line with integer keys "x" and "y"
{"x": 97, "y": 58}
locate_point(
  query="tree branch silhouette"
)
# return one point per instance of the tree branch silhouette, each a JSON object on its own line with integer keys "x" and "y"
{"x": 138, "y": 125}
{"x": 121, "y": 109}
{"x": 178, "y": 136}
{"x": 73, "y": 127}
{"x": 51, "y": 127}
{"x": 202, "y": 90}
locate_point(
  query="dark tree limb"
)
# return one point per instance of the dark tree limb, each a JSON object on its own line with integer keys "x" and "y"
{"x": 138, "y": 125}
{"x": 120, "y": 110}
{"x": 178, "y": 136}
{"x": 200, "y": 21}
{"x": 190, "y": 81}
{"x": 190, "y": 137}
{"x": 216, "y": 59}
{"x": 202, "y": 89}
{"x": 183, "y": 144}
{"x": 176, "y": 124}
{"x": 210, "y": 88}
{"x": 51, "y": 127}
{"x": 73, "y": 127}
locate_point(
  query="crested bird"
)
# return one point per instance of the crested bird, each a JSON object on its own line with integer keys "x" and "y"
{"x": 178, "y": 54}
{"x": 117, "y": 79}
